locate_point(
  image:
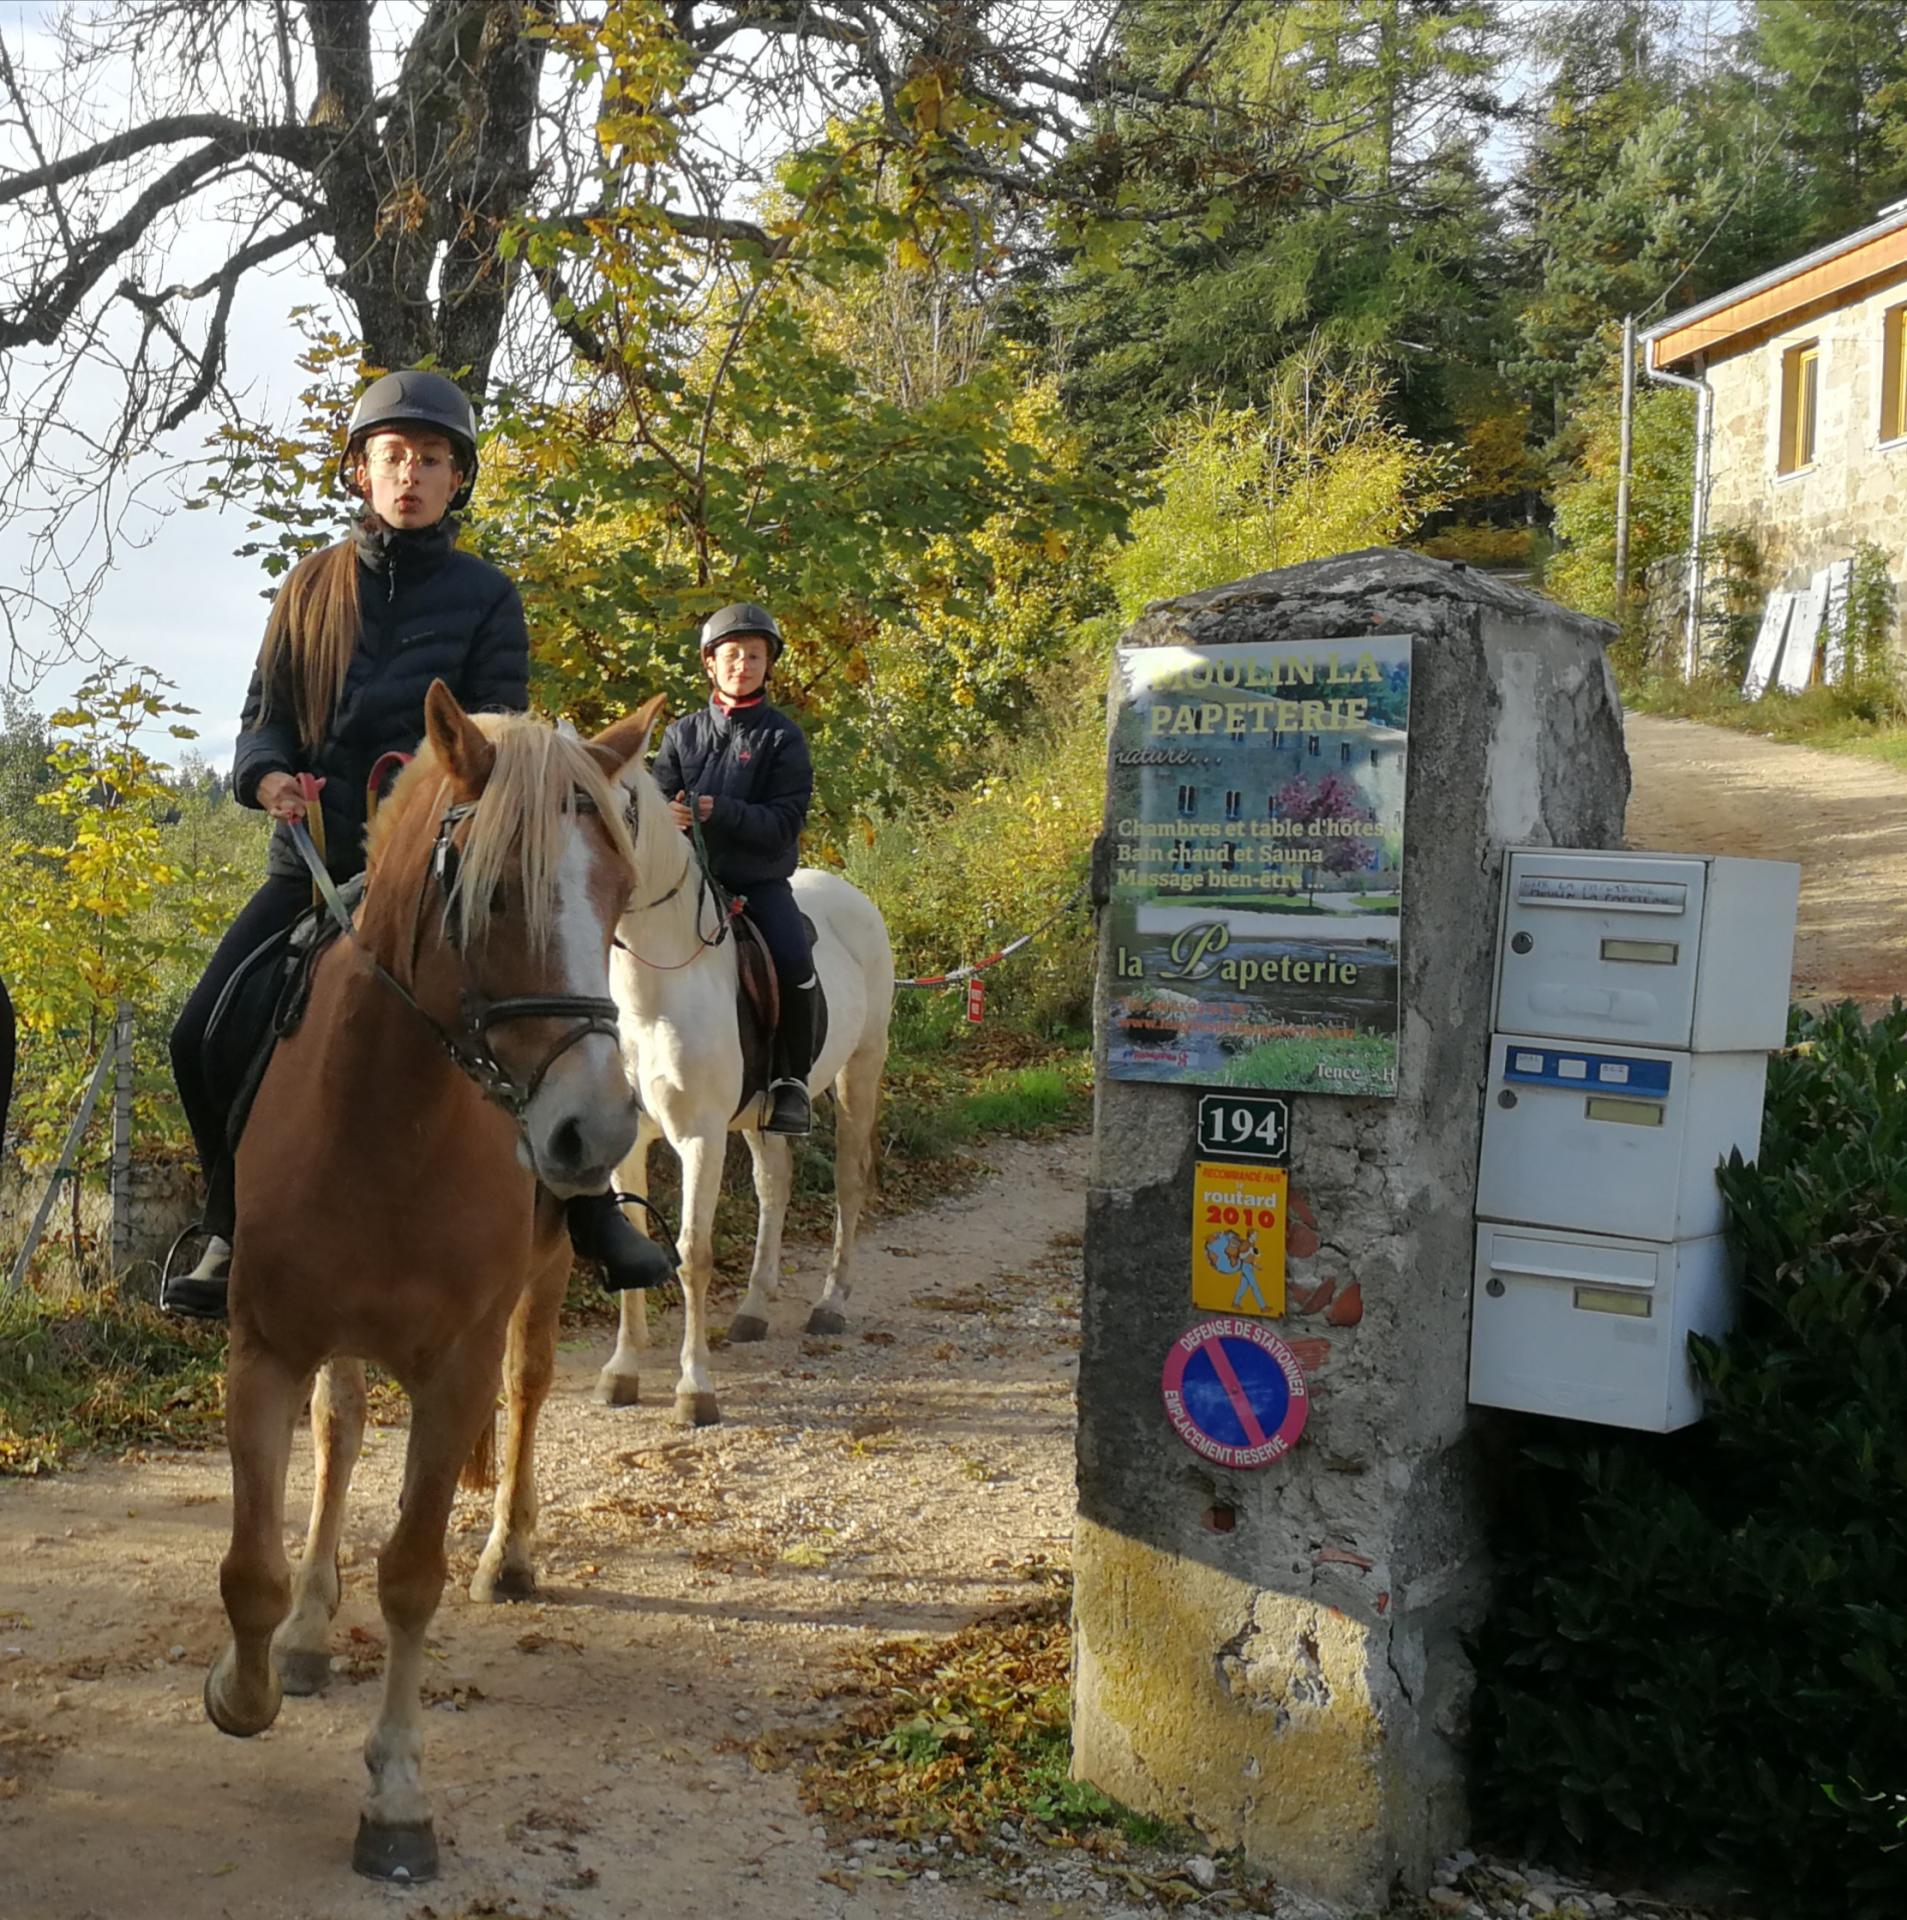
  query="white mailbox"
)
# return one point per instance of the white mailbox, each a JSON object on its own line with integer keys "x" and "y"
{"x": 1592, "y": 1328}
{"x": 1647, "y": 949}
{"x": 1619, "y": 1140}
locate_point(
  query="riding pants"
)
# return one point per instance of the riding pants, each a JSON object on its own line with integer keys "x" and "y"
{"x": 269, "y": 911}
{"x": 771, "y": 905}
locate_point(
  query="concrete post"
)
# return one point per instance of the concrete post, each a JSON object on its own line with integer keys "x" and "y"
{"x": 1275, "y": 1655}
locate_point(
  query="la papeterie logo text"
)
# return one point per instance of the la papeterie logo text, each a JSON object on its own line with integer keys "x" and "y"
{"x": 1194, "y": 954}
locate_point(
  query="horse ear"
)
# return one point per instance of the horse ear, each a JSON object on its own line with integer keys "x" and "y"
{"x": 463, "y": 752}
{"x": 618, "y": 746}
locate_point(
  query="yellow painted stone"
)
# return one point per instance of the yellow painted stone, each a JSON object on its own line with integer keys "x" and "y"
{"x": 1257, "y": 1705}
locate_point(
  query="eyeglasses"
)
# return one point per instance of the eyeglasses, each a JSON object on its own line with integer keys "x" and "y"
{"x": 394, "y": 457}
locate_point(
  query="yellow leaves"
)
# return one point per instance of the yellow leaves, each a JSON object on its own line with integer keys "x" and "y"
{"x": 1054, "y": 545}
{"x": 926, "y": 98}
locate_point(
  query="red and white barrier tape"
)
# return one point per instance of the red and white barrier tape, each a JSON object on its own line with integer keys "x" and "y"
{"x": 954, "y": 975}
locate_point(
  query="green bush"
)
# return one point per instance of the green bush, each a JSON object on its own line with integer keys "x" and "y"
{"x": 958, "y": 875}
{"x": 1699, "y": 1643}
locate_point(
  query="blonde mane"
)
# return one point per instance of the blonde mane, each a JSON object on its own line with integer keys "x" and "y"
{"x": 660, "y": 846}
{"x": 526, "y": 807}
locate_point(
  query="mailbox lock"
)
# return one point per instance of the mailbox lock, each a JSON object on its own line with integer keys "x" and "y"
{"x": 1521, "y": 943}
{"x": 1493, "y": 1287}
{"x": 1507, "y": 1098}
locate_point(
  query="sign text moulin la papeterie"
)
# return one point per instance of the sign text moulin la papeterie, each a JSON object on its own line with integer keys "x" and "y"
{"x": 1258, "y": 834}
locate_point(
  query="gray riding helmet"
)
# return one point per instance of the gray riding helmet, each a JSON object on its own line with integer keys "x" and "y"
{"x": 416, "y": 397}
{"x": 743, "y": 617}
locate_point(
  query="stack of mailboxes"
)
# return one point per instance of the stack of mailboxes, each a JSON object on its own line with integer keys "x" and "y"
{"x": 1637, "y": 998}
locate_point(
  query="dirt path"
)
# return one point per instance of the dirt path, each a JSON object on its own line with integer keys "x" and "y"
{"x": 1706, "y": 790}
{"x": 584, "y": 1749}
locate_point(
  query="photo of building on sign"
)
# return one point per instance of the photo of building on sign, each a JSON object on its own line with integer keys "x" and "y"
{"x": 1258, "y": 829}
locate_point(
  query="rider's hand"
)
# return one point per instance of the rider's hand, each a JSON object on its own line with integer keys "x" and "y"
{"x": 705, "y": 805}
{"x": 282, "y": 797}
{"x": 679, "y": 811}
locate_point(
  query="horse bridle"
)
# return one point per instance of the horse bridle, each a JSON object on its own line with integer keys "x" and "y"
{"x": 468, "y": 1044}
{"x": 727, "y": 905}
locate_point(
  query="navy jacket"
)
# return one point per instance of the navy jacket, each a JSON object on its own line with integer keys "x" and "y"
{"x": 755, "y": 763}
{"x": 429, "y": 613}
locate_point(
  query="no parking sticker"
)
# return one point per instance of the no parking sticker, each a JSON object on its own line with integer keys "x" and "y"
{"x": 1235, "y": 1393}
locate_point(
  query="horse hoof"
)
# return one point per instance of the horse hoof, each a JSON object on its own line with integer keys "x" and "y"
{"x": 404, "y": 1855}
{"x": 241, "y": 1726}
{"x": 618, "y": 1389}
{"x": 303, "y": 1672}
{"x": 696, "y": 1410}
{"x": 824, "y": 1320}
{"x": 504, "y": 1583}
{"x": 746, "y": 1327}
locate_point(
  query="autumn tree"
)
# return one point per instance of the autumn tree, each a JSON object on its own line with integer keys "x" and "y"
{"x": 457, "y": 169}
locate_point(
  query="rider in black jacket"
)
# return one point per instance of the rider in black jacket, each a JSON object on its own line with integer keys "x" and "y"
{"x": 743, "y": 767}
{"x": 355, "y": 638}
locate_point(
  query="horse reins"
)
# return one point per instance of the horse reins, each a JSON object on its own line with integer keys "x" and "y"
{"x": 729, "y": 906}
{"x": 469, "y": 1044}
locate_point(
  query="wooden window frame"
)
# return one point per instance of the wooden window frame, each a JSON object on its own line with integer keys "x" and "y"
{"x": 1800, "y": 421}
{"x": 1894, "y": 374}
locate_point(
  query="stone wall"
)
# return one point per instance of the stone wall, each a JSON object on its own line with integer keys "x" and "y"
{"x": 1856, "y": 488}
{"x": 1297, "y": 1685}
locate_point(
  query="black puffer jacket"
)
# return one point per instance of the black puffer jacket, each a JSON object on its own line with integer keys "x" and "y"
{"x": 754, "y": 761}
{"x": 429, "y": 613}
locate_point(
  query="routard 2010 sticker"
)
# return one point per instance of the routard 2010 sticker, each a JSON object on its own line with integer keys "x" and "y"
{"x": 1235, "y": 1393}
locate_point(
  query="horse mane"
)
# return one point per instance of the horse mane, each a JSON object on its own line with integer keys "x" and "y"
{"x": 659, "y": 843}
{"x": 540, "y": 772}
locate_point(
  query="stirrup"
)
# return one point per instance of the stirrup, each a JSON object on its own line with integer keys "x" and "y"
{"x": 202, "y": 1293}
{"x": 789, "y": 1108}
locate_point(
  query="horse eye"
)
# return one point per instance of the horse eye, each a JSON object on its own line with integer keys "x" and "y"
{"x": 582, "y": 803}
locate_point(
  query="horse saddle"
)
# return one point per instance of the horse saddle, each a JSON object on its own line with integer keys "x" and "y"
{"x": 758, "y": 1007}
{"x": 264, "y": 1000}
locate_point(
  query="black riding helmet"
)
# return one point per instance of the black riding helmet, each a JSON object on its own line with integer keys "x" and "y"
{"x": 416, "y": 397}
{"x": 743, "y": 617}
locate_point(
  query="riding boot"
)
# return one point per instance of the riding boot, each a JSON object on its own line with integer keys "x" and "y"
{"x": 200, "y": 1294}
{"x": 789, "y": 1108}
{"x": 599, "y": 1231}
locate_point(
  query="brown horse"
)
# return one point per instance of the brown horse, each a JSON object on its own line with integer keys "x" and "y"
{"x": 399, "y": 1186}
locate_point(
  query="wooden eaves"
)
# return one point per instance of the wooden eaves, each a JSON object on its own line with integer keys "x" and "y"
{"x": 1787, "y": 296}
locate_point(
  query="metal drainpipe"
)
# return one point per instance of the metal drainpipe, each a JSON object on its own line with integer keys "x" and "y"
{"x": 1698, "y": 506}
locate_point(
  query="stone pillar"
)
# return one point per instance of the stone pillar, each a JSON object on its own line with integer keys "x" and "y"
{"x": 1296, "y": 1685}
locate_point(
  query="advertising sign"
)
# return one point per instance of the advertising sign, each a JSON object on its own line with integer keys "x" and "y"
{"x": 1238, "y": 1238}
{"x": 1257, "y": 888}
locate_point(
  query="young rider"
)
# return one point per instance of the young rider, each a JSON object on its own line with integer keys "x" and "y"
{"x": 741, "y": 770}
{"x": 355, "y": 637}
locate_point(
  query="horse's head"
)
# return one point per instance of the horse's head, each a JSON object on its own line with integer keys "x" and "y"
{"x": 498, "y": 869}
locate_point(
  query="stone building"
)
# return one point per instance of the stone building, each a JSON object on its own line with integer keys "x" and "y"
{"x": 1806, "y": 375}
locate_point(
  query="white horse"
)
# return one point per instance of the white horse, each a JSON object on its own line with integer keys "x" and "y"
{"x": 675, "y": 984}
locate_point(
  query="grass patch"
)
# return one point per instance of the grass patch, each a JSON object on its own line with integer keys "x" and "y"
{"x": 1836, "y": 719}
{"x": 954, "y": 1736}
{"x": 85, "y": 1368}
{"x": 1301, "y": 1063}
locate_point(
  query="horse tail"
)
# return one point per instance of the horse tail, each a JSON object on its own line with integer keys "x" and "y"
{"x": 480, "y": 1470}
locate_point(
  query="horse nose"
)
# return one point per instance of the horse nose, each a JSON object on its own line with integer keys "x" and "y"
{"x": 586, "y": 1146}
